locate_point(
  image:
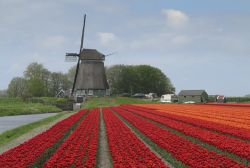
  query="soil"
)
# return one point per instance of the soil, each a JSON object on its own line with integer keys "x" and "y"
{"x": 104, "y": 156}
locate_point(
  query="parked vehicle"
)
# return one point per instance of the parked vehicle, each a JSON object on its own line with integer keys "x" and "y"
{"x": 125, "y": 95}
{"x": 169, "y": 98}
{"x": 221, "y": 99}
{"x": 189, "y": 102}
{"x": 151, "y": 96}
{"x": 139, "y": 95}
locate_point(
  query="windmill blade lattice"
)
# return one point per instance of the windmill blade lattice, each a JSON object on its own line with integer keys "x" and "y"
{"x": 81, "y": 48}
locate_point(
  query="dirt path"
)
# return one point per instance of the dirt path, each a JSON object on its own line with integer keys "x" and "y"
{"x": 31, "y": 134}
{"x": 104, "y": 156}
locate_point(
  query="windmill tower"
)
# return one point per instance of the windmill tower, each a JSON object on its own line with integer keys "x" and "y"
{"x": 90, "y": 78}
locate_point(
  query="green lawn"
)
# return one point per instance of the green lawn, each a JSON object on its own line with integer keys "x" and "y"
{"x": 15, "y": 106}
{"x": 113, "y": 101}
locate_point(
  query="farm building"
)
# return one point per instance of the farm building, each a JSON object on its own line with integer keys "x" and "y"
{"x": 196, "y": 96}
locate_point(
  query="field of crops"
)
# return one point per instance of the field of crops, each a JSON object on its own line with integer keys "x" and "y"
{"x": 142, "y": 135}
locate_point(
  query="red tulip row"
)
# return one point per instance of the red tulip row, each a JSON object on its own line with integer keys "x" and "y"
{"x": 222, "y": 128}
{"x": 126, "y": 149}
{"x": 80, "y": 149}
{"x": 189, "y": 153}
{"x": 25, "y": 154}
{"x": 223, "y": 142}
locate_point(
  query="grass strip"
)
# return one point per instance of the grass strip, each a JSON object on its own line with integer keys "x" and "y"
{"x": 163, "y": 153}
{"x": 50, "y": 151}
{"x": 26, "y": 108}
{"x": 198, "y": 142}
{"x": 12, "y": 134}
{"x": 100, "y": 102}
{"x": 101, "y": 147}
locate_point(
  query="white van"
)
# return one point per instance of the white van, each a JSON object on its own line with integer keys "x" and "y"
{"x": 169, "y": 98}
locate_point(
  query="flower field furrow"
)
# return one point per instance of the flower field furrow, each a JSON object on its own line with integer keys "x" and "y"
{"x": 126, "y": 149}
{"x": 223, "y": 142}
{"x": 189, "y": 153}
{"x": 80, "y": 149}
{"x": 25, "y": 154}
{"x": 225, "y": 129}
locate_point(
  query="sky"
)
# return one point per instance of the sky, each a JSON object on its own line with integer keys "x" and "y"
{"x": 198, "y": 44}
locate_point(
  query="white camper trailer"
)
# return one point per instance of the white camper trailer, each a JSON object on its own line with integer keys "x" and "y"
{"x": 168, "y": 98}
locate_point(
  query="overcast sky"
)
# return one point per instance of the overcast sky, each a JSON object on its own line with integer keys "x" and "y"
{"x": 197, "y": 44}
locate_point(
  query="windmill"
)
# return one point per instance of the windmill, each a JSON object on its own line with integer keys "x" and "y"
{"x": 90, "y": 78}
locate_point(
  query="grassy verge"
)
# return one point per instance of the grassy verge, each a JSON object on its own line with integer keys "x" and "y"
{"x": 113, "y": 101}
{"x": 15, "y": 106}
{"x": 27, "y": 108}
{"x": 9, "y": 135}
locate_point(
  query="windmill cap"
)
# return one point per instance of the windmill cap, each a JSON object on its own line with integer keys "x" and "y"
{"x": 91, "y": 54}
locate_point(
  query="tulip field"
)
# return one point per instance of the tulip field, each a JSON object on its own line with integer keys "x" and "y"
{"x": 142, "y": 135}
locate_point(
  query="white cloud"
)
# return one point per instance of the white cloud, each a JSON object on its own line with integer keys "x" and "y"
{"x": 181, "y": 40}
{"x": 175, "y": 18}
{"x": 56, "y": 41}
{"x": 106, "y": 38}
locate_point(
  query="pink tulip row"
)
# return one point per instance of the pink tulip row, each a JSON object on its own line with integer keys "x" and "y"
{"x": 182, "y": 149}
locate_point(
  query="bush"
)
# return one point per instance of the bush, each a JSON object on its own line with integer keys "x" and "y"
{"x": 64, "y": 104}
{"x": 238, "y": 99}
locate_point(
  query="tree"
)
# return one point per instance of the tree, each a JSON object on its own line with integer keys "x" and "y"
{"x": 140, "y": 78}
{"x": 151, "y": 79}
{"x": 35, "y": 71}
{"x": 58, "y": 81}
{"x": 248, "y": 95}
{"x": 71, "y": 74}
{"x": 114, "y": 75}
{"x": 36, "y": 88}
{"x": 38, "y": 79}
{"x": 17, "y": 87}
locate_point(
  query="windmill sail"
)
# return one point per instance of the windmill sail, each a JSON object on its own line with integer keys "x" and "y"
{"x": 81, "y": 47}
{"x": 90, "y": 73}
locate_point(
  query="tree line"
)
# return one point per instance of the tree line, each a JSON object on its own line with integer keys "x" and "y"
{"x": 37, "y": 81}
{"x": 138, "y": 79}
